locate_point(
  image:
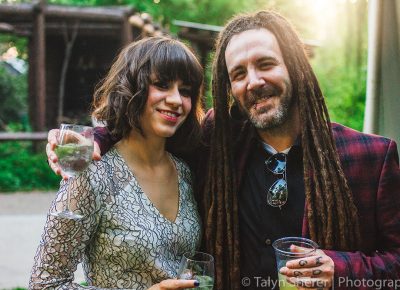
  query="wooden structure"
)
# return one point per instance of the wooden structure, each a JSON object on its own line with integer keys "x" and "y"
{"x": 24, "y": 136}
{"x": 70, "y": 49}
{"x": 201, "y": 36}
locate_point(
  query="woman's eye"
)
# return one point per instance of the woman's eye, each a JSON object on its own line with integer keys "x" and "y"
{"x": 162, "y": 85}
{"x": 185, "y": 92}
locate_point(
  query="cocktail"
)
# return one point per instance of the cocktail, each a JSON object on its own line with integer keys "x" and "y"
{"x": 74, "y": 151}
{"x": 284, "y": 253}
{"x": 198, "y": 266}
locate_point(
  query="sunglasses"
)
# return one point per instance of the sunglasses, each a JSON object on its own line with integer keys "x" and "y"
{"x": 278, "y": 192}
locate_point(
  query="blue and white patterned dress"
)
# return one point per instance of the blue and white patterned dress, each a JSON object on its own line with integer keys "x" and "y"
{"x": 123, "y": 241}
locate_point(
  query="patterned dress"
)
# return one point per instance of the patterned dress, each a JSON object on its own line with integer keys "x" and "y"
{"x": 123, "y": 241}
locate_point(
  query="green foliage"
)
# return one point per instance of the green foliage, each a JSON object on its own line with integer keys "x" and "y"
{"x": 165, "y": 11}
{"x": 341, "y": 65}
{"x": 13, "y": 98}
{"x": 13, "y": 88}
{"x": 295, "y": 11}
{"x": 344, "y": 88}
{"x": 208, "y": 82}
{"x": 22, "y": 170}
{"x": 9, "y": 40}
{"x": 214, "y": 12}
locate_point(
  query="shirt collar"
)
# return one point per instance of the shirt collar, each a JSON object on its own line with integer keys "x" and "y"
{"x": 272, "y": 150}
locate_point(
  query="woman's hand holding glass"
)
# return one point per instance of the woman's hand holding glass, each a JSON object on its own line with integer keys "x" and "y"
{"x": 52, "y": 139}
{"x": 198, "y": 266}
{"x": 170, "y": 284}
{"x": 75, "y": 150}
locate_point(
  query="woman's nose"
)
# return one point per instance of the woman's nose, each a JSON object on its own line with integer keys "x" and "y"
{"x": 174, "y": 96}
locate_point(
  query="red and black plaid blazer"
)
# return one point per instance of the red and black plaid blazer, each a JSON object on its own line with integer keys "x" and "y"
{"x": 371, "y": 166}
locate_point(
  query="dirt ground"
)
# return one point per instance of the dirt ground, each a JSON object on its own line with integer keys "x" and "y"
{"x": 25, "y": 203}
{"x": 22, "y": 217}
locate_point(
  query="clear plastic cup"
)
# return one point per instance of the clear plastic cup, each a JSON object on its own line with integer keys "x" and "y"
{"x": 284, "y": 254}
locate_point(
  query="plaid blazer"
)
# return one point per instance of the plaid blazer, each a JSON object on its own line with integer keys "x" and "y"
{"x": 371, "y": 166}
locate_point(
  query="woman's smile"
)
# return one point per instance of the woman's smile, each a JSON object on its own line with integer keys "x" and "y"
{"x": 170, "y": 116}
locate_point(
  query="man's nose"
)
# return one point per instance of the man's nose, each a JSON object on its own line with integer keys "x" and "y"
{"x": 254, "y": 80}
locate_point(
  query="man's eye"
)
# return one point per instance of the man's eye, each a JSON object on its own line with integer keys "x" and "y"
{"x": 266, "y": 65}
{"x": 238, "y": 75}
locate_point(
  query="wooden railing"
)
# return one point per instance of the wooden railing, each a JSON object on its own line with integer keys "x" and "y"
{"x": 23, "y": 136}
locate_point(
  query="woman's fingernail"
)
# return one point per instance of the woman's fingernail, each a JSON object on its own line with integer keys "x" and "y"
{"x": 196, "y": 283}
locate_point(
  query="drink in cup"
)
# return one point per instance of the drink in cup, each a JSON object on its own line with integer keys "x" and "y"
{"x": 198, "y": 266}
{"x": 284, "y": 253}
{"x": 74, "y": 151}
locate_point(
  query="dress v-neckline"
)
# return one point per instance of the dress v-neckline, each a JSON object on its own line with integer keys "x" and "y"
{"x": 144, "y": 195}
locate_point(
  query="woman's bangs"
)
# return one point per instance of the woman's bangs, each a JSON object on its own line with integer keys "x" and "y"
{"x": 173, "y": 62}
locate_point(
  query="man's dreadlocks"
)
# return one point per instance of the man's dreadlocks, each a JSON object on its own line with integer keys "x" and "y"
{"x": 332, "y": 215}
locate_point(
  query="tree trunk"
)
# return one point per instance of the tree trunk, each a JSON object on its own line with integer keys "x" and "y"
{"x": 69, "y": 44}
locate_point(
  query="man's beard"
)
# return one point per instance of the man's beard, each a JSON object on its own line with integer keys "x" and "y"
{"x": 260, "y": 117}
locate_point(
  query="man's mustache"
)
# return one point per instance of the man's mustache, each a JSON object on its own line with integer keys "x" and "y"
{"x": 262, "y": 92}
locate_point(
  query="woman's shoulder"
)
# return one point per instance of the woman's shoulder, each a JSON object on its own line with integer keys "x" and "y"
{"x": 180, "y": 163}
{"x": 98, "y": 171}
{"x": 109, "y": 158}
{"x": 183, "y": 168}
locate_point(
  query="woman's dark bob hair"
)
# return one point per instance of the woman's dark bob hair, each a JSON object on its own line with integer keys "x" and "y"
{"x": 120, "y": 98}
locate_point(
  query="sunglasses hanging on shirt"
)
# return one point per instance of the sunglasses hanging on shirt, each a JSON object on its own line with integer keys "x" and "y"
{"x": 278, "y": 192}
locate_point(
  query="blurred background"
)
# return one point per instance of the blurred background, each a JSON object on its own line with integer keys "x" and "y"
{"x": 52, "y": 54}
{"x": 51, "y": 61}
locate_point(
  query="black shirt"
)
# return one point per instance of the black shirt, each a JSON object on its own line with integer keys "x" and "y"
{"x": 261, "y": 224}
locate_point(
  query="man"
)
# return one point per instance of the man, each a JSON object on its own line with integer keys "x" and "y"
{"x": 340, "y": 187}
{"x": 337, "y": 186}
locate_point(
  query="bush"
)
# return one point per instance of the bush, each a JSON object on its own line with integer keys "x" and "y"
{"x": 23, "y": 170}
{"x": 13, "y": 98}
{"x": 344, "y": 87}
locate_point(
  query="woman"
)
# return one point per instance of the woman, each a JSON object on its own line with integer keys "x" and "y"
{"x": 139, "y": 211}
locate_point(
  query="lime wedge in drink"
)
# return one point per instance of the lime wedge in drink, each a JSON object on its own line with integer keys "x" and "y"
{"x": 63, "y": 151}
{"x": 74, "y": 158}
{"x": 206, "y": 282}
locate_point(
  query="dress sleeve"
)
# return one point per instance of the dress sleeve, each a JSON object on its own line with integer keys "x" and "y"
{"x": 358, "y": 270}
{"x": 104, "y": 139}
{"x": 64, "y": 241}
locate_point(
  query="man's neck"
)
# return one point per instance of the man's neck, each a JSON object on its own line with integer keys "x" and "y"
{"x": 284, "y": 136}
